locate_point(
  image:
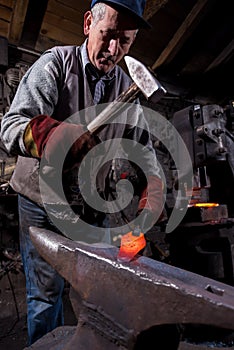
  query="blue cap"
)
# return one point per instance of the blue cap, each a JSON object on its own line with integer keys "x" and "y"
{"x": 132, "y": 7}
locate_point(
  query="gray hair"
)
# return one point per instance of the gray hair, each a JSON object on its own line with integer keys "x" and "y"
{"x": 98, "y": 12}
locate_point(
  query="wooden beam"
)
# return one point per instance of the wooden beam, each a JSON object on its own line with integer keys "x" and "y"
{"x": 7, "y": 3}
{"x": 152, "y": 7}
{"x": 76, "y": 4}
{"x": 4, "y": 28}
{"x": 56, "y": 33}
{"x": 181, "y": 35}
{"x": 32, "y": 24}
{"x": 17, "y": 21}
{"x": 60, "y": 9}
{"x": 5, "y": 18}
{"x": 5, "y": 13}
{"x": 223, "y": 56}
{"x": 62, "y": 24}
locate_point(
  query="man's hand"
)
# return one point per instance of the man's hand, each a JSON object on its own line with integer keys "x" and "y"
{"x": 151, "y": 203}
{"x": 54, "y": 140}
{"x": 71, "y": 142}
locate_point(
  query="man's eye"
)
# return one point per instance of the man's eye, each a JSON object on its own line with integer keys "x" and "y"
{"x": 125, "y": 41}
{"x": 108, "y": 36}
{"x": 105, "y": 35}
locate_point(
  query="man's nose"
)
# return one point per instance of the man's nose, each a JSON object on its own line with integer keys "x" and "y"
{"x": 113, "y": 47}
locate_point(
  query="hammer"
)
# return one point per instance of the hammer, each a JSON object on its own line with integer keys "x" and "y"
{"x": 144, "y": 82}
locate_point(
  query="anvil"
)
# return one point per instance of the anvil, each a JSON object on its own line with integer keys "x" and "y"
{"x": 115, "y": 302}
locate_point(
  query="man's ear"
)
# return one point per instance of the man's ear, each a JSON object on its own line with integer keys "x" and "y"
{"x": 87, "y": 22}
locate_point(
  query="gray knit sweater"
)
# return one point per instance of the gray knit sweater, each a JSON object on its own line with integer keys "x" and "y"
{"x": 56, "y": 85}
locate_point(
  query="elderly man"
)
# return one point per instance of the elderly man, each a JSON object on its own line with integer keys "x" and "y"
{"x": 62, "y": 82}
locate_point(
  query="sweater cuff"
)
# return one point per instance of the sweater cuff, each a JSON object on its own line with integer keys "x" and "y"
{"x": 37, "y": 132}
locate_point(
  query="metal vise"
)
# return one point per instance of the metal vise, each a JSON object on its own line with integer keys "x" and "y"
{"x": 117, "y": 302}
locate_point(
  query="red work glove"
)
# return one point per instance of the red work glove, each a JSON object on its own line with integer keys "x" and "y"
{"x": 152, "y": 202}
{"x": 45, "y": 136}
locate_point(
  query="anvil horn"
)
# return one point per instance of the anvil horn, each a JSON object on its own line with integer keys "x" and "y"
{"x": 57, "y": 250}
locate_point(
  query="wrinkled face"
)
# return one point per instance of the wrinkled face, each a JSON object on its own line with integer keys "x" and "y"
{"x": 109, "y": 39}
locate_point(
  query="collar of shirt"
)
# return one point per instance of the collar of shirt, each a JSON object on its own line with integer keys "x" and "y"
{"x": 90, "y": 71}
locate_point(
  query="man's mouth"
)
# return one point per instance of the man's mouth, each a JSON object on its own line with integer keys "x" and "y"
{"x": 104, "y": 59}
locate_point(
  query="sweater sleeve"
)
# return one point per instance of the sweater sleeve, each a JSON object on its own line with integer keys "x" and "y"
{"x": 37, "y": 94}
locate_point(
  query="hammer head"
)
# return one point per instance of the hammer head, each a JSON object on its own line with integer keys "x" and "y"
{"x": 144, "y": 79}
